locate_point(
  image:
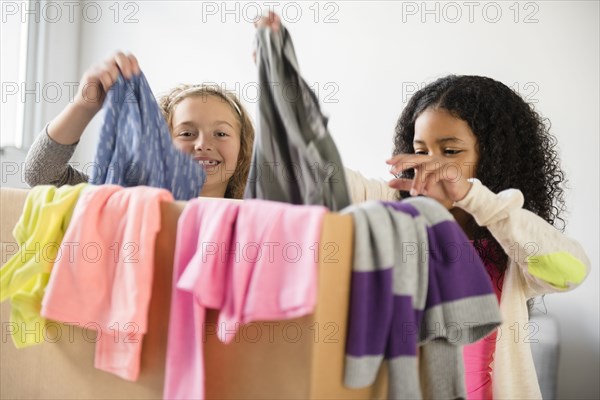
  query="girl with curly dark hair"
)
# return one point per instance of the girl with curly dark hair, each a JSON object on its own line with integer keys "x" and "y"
{"x": 478, "y": 148}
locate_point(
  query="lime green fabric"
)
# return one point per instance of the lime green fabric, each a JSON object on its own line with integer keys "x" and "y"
{"x": 39, "y": 232}
{"x": 551, "y": 268}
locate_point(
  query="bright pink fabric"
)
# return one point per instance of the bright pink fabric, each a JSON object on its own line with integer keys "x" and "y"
{"x": 103, "y": 278}
{"x": 253, "y": 261}
{"x": 479, "y": 355}
{"x": 184, "y": 374}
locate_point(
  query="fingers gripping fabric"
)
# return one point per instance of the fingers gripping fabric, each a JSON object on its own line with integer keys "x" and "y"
{"x": 295, "y": 159}
{"x": 135, "y": 147}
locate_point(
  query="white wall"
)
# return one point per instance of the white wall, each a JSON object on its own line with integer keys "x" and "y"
{"x": 368, "y": 59}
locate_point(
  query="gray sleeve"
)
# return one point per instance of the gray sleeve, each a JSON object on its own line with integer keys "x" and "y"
{"x": 47, "y": 163}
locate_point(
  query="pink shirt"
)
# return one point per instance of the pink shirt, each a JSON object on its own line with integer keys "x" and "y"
{"x": 479, "y": 355}
{"x": 103, "y": 277}
{"x": 252, "y": 261}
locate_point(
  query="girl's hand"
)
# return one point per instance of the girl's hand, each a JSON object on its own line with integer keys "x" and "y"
{"x": 98, "y": 79}
{"x": 435, "y": 177}
{"x": 272, "y": 21}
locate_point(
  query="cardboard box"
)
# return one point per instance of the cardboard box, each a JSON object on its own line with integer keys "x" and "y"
{"x": 292, "y": 359}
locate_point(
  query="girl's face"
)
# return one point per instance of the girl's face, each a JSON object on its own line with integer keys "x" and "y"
{"x": 439, "y": 133}
{"x": 206, "y": 127}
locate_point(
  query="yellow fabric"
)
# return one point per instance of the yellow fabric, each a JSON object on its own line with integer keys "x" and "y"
{"x": 548, "y": 268}
{"x": 44, "y": 220}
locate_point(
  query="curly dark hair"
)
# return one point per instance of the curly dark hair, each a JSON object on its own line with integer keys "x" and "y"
{"x": 516, "y": 149}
